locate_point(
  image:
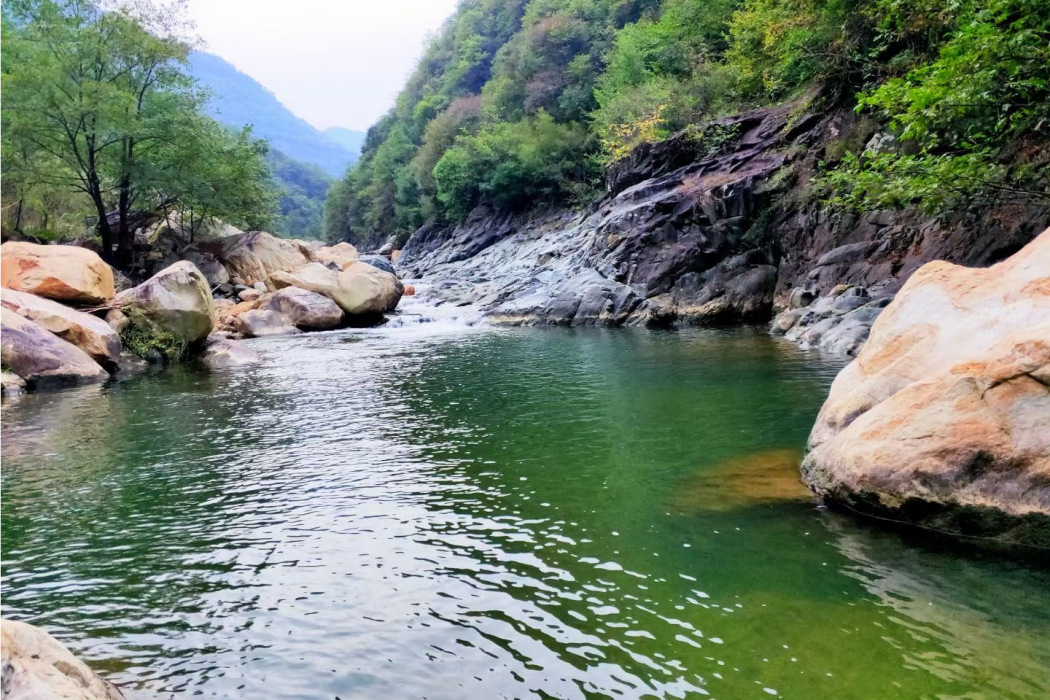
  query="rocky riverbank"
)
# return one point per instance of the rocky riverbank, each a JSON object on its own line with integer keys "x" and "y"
{"x": 709, "y": 228}
{"x": 66, "y": 323}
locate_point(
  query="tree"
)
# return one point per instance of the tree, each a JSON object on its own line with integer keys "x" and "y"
{"x": 97, "y": 98}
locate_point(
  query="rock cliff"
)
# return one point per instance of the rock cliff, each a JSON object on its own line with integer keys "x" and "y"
{"x": 713, "y": 226}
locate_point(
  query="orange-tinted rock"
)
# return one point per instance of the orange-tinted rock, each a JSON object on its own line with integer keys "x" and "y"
{"x": 60, "y": 272}
{"x": 948, "y": 403}
{"x": 89, "y": 333}
{"x": 410, "y": 290}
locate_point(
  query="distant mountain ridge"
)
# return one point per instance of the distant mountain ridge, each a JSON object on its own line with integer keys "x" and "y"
{"x": 350, "y": 139}
{"x": 238, "y": 99}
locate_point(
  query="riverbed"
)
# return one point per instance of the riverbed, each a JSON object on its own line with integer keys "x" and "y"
{"x": 439, "y": 511}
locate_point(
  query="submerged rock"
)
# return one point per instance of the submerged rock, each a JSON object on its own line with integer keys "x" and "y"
{"x": 36, "y": 667}
{"x": 40, "y": 357}
{"x": 944, "y": 417}
{"x": 176, "y": 303}
{"x": 11, "y": 384}
{"x": 89, "y": 333}
{"x": 60, "y": 272}
{"x": 223, "y": 353}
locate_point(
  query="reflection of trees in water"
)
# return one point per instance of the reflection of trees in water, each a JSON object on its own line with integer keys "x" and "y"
{"x": 988, "y": 615}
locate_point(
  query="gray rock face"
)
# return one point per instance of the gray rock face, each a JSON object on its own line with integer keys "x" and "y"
{"x": 41, "y": 358}
{"x": 837, "y": 324}
{"x": 696, "y": 231}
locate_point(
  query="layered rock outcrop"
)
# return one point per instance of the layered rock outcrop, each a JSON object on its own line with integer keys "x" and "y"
{"x": 59, "y": 272}
{"x": 943, "y": 419}
{"x": 707, "y": 227}
{"x": 36, "y": 666}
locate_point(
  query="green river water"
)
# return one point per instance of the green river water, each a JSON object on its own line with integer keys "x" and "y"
{"x": 433, "y": 512}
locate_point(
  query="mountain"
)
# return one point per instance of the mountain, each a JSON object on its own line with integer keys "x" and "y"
{"x": 238, "y": 99}
{"x": 350, "y": 139}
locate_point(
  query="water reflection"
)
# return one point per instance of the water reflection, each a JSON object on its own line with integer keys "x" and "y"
{"x": 453, "y": 514}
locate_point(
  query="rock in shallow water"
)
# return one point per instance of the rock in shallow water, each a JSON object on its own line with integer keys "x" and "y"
{"x": 89, "y": 333}
{"x": 944, "y": 417}
{"x": 223, "y": 353}
{"x": 306, "y": 310}
{"x": 177, "y": 300}
{"x": 37, "y": 667}
{"x": 41, "y": 358}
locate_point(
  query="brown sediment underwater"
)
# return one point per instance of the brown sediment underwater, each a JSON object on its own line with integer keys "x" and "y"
{"x": 769, "y": 476}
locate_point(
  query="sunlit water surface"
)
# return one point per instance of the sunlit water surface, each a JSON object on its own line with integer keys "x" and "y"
{"x": 437, "y": 512}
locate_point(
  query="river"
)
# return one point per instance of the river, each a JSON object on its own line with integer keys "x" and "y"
{"x": 434, "y": 511}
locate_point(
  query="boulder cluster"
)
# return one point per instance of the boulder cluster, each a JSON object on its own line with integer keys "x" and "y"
{"x": 838, "y": 322}
{"x": 69, "y": 319}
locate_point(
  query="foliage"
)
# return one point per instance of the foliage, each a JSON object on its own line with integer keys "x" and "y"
{"x": 98, "y": 108}
{"x": 142, "y": 337}
{"x": 959, "y": 81}
{"x": 513, "y": 165}
{"x": 959, "y": 114}
{"x": 302, "y": 189}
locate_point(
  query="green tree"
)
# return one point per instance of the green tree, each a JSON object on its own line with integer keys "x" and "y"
{"x": 99, "y": 101}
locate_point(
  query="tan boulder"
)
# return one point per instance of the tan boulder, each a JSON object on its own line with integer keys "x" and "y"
{"x": 946, "y": 410}
{"x": 360, "y": 289}
{"x": 61, "y": 272}
{"x": 37, "y": 666}
{"x": 340, "y": 254}
{"x": 89, "y": 333}
{"x": 175, "y": 303}
{"x": 252, "y": 257}
{"x": 40, "y": 357}
{"x": 306, "y": 310}
{"x": 262, "y": 322}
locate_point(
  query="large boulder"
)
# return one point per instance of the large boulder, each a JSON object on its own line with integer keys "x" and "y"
{"x": 252, "y": 257}
{"x": 306, "y": 310}
{"x": 40, "y": 357}
{"x": 173, "y": 308}
{"x": 37, "y": 667}
{"x": 89, "y": 333}
{"x": 62, "y": 272}
{"x": 944, "y": 417}
{"x": 340, "y": 254}
{"x": 359, "y": 289}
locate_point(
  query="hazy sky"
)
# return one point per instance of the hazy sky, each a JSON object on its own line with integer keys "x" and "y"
{"x": 332, "y": 62}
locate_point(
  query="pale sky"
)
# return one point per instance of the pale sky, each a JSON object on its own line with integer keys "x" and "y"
{"x": 332, "y": 62}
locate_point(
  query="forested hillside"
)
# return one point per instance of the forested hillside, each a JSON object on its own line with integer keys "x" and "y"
{"x": 519, "y": 103}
